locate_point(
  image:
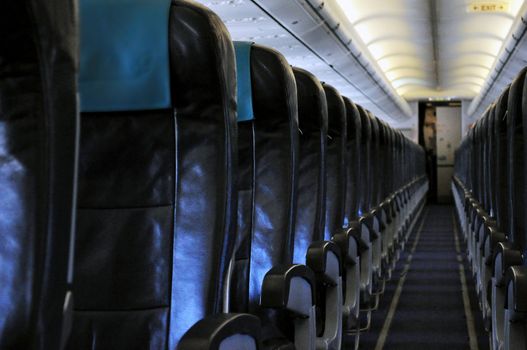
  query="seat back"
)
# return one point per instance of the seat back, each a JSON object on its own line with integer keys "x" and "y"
{"x": 335, "y": 163}
{"x": 480, "y": 158}
{"x": 389, "y": 187}
{"x": 483, "y": 145}
{"x": 38, "y": 149}
{"x": 156, "y": 210}
{"x": 365, "y": 159}
{"x": 353, "y": 171}
{"x": 268, "y": 168}
{"x": 473, "y": 162}
{"x": 311, "y": 201}
{"x": 491, "y": 162}
{"x": 515, "y": 165}
{"x": 375, "y": 160}
{"x": 500, "y": 161}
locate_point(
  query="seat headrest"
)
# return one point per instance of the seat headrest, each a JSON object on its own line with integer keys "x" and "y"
{"x": 312, "y": 106}
{"x": 243, "y": 78}
{"x": 365, "y": 125}
{"x": 515, "y": 97}
{"x": 501, "y": 104}
{"x": 374, "y": 127}
{"x": 336, "y": 112}
{"x": 274, "y": 87}
{"x": 353, "y": 119}
{"x": 124, "y": 55}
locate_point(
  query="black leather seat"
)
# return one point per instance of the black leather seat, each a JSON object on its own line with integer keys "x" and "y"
{"x": 350, "y": 243}
{"x": 515, "y": 279}
{"x": 336, "y": 163}
{"x": 313, "y": 126}
{"x": 496, "y": 231}
{"x": 385, "y": 202}
{"x": 157, "y": 205}
{"x": 489, "y": 175}
{"x": 310, "y": 248}
{"x": 38, "y": 138}
{"x": 267, "y": 283}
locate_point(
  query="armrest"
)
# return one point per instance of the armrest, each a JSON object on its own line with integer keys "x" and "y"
{"x": 505, "y": 256}
{"x": 473, "y": 214}
{"x": 324, "y": 259}
{"x": 516, "y": 282}
{"x": 350, "y": 244}
{"x": 467, "y": 198}
{"x": 355, "y": 231}
{"x": 481, "y": 218}
{"x": 367, "y": 220}
{"x": 395, "y": 204}
{"x": 376, "y": 214}
{"x": 289, "y": 288}
{"x": 223, "y": 331}
{"x": 492, "y": 237}
{"x": 387, "y": 207}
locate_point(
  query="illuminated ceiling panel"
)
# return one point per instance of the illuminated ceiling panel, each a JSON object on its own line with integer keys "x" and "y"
{"x": 435, "y": 48}
{"x": 398, "y": 35}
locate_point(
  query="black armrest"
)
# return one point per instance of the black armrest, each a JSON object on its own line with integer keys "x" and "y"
{"x": 387, "y": 206}
{"x": 350, "y": 244}
{"x": 376, "y": 213}
{"x": 276, "y": 289}
{"x": 367, "y": 220}
{"x": 327, "y": 268}
{"x": 473, "y": 214}
{"x": 506, "y": 255}
{"x": 395, "y": 204}
{"x": 220, "y": 331}
{"x": 492, "y": 237}
{"x": 481, "y": 219}
{"x": 516, "y": 276}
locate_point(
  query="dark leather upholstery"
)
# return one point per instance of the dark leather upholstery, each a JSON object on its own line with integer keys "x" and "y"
{"x": 483, "y": 131}
{"x": 336, "y": 163}
{"x": 491, "y": 166}
{"x": 38, "y": 137}
{"x": 500, "y": 165}
{"x": 515, "y": 165}
{"x": 364, "y": 205}
{"x": 156, "y": 218}
{"x": 267, "y": 185}
{"x": 375, "y": 160}
{"x": 276, "y": 165}
{"x": 353, "y": 171}
{"x": 311, "y": 201}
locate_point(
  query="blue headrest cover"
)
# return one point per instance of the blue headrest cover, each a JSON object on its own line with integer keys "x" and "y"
{"x": 243, "y": 77}
{"x": 124, "y": 59}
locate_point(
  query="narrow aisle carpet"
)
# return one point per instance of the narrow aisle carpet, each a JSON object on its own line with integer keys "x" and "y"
{"x": 430, "y": 313}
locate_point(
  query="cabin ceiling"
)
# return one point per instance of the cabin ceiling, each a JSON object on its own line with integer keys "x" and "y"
{"x": 388, "y": 51}
{"x": 435, "y": 48}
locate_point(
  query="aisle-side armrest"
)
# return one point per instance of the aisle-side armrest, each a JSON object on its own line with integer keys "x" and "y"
{"x": 516, "y": 282}
{"x": 492, "y": 237}
{"x": 222, "y": 332}
{"x": 367, "y": 220}
{"x": 350, "y": 245}
{"x": 324, "y": 259}
{"x": 290, "y": 288}
{"x": 506, "y": 255}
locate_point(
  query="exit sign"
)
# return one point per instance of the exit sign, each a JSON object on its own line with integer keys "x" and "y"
{"x": 489, "y": 6}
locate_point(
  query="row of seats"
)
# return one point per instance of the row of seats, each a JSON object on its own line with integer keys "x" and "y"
{"x": 489, "y": 189}
{"x": 207, "y": 196}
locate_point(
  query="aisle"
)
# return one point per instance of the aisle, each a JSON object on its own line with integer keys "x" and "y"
{"x": 426, "y": 304}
